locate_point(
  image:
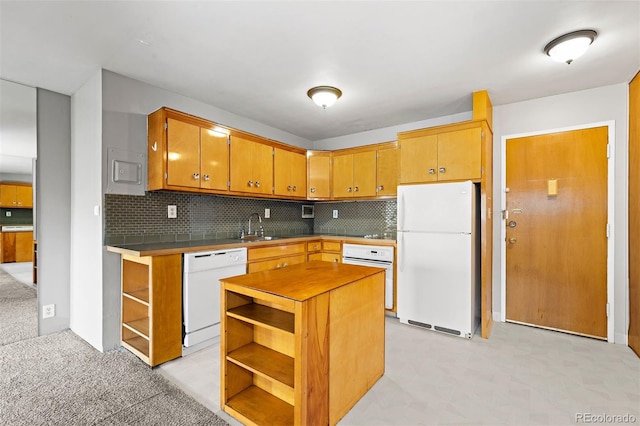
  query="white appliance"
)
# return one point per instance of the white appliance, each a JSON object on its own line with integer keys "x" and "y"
{"x": 201, "y": 291}
{"x": 378, "y": 256}
{"x": 438, "y": 277}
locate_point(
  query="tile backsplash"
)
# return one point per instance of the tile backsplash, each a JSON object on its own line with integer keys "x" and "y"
{"x": 133, "y": 219}
{"x": 17, "y": 216}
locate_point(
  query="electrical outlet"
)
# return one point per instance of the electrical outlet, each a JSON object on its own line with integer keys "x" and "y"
{"x": 267, "y": 213}
{"x": 172, "y": 212}
{"x": 335, "y": 213}
{"x": 48, "y": 311}
{"x": 7, "y": 214}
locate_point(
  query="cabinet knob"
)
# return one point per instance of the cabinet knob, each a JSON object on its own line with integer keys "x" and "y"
{"x": 250, "y": 183}
{"x": 380, "y": 188}
{"x": 196, "y": 176}
{"x": 512, "y": 240}
{"x": 355, "y": 189}
{"x": 289, "y": 188}
{"x": 442, "y": 170}
{"x": 349, "y": 189}
{"x": 257, "y": 184}
{"x": 284, "y": 265}
{"x": 294, "y": 188}
{"x": 313, "y": 190}
{"x": 335, "y": 260}
{"x": 278, "y": 266}
{"x": 432, "y": 171}
{"x": 206, "y": 177}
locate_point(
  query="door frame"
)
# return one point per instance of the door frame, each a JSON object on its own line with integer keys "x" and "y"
{"x": 610, "y": 216}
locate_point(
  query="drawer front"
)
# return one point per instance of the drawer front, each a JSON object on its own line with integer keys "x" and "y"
{"x": 314, "y": 256}
{"x": 331, "y": 257}
{"x": 314, "y": 246}
{"x": 274, "y": 251}
{"x": 331, "y": 246}
{"x": 282, "y": 262}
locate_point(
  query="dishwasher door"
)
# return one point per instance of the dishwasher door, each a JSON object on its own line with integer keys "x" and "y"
{"x": 201, "y": 290}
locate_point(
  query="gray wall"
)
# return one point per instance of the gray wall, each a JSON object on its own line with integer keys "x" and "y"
{"x": 53, "y": 198}
{"x": 16, "y": 177}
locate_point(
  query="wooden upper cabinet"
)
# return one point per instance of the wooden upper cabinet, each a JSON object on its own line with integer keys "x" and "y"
{"x": 214, "y": 159}
{"x": 251, "y": 166}
{"x": 342, "y": 174}
{"x": 447, "y": 155}
{"x": 290, "y": 173}
{"x": 387, "y": 172}
{"x": 319, "y": 172}
{"x": 364, "y": 174}
{"x": 186, "y": 153}
{"x": 16, "y": 196}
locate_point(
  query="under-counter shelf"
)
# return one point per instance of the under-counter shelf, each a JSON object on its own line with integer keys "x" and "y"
{"x": 264, "y": 316}
{"x": 261, "y": 407}
{"x": 140, "y": 326}
{"x": 140, "y": 296}
{"x": 264, "y": 361}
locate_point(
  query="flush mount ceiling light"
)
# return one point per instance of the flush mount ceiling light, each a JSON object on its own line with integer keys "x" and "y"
{"x": 570, "y": 46}
{"x": 324, "y": 96}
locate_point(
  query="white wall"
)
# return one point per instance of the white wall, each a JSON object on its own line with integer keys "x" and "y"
{"x": 573, "y": 109}
{"x": 53, "y": 200}
{"x": 86, "y": 226}
{"x": 18, "y": 138}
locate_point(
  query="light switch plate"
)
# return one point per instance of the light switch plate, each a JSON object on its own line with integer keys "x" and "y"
{"x": 172, "y": 212}
{"x": 267, "y": 213}
{"x": 7, "y": 214}
{"x": 335, "y": 214}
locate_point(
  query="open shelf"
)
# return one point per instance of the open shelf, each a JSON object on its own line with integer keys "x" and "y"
{"x": 262, "y": 407}
{"x": 264, "y": 316}
{"x": 264, "y": 361}
{"x": 138, "y": 345}
{"x": 140, "y": 326}
{"x": 141, "y": 296}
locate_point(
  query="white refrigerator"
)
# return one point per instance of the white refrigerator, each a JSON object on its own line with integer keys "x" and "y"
{"x": 438, "y": 275}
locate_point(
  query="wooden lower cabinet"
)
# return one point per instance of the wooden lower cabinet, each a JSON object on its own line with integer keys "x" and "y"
{"x": 152, "y": 307}
{"x": 300, "y": 345}
{"x": 16, "y": 246}
{"x": 327, "y": 251}
{"x": 274, "y": 256}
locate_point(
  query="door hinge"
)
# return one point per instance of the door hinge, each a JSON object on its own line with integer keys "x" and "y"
{"x": 608, "y": 230}
{"x": 505, "y": 214}
{"x": 229, "y": 140}
{"x": 482, "y": 134}
{"x": 607, "y": 310}
{"x": 481, "y": 170}
{"x": 166, "y": 176}
{"x": 273, "y": 152}
{"x": 228, "y": 184}
{"x": 608, "y": 151}
{"x": 166, "y": 125}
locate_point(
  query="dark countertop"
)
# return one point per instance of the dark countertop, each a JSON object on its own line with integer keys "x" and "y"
{"x": 175, "y": 247}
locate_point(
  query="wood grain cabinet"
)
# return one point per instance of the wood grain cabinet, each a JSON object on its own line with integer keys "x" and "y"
{"x": 354, "y": 174}
{"x": 387, "y": 171}
{"x": 16, "y": 195}
{"x": 292, "y": 346}
{"x": 186, "y": 153}
{"x": 152, "y": 307}
{"x": 290, "y": 173}
{"x": 327, "y": 251}
{"x": 274, "y": 256}
{"x": 251, "y": 165}
{"x": 430, "y": 155}
{"x": 16, "y": 246}
{"x": 318, "y": 175}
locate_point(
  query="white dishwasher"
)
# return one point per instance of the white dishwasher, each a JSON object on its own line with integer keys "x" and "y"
{"x": 201, "y": 291}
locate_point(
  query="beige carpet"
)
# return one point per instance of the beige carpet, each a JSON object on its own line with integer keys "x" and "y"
{"x": 18, "y": 310}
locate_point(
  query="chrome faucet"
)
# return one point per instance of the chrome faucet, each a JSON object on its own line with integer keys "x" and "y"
{"x": 260, "y": 221}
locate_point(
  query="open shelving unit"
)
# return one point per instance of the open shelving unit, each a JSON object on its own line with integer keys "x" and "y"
{"x": 152, "y": 307}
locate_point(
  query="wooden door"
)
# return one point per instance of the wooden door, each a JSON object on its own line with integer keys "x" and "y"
{"x": 7, "y": 195}
{"x": 262, "y": 168}
{"x": 419, "y": 159}
{"x": 556, "y": 257}
{"x": 282, "y": 172}
{"x": 459, "y": 155}
{"x": 298, "y": 174}
{"x": 8, "y": 247}
{"x": 634, "y": 214}
{"x": 24, "y": 246}
{"x": 24, "y": 196}
{"x": 214, "y": 160}
{"x": 183, "y": 154}
{"x": 342, "y": 175}
{"x": 364, "y": 174}
{"x": 387, "y": 171}
{"x": 240, "y": 164}
{"x": 319, "y": 166}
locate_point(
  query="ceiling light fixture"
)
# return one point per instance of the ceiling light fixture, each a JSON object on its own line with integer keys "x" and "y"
{"x": 570, "y": 46}
{"x": 324, "y": 96}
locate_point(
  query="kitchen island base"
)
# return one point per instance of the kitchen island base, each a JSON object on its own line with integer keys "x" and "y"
{"x": 301, "y": 345}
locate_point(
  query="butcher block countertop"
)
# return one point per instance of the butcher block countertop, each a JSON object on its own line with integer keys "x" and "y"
{"x": 176, "y": 247}
{"x": 302, "y": 281}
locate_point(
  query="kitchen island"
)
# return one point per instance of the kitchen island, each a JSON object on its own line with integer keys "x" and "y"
{"x": 301, "y": 345}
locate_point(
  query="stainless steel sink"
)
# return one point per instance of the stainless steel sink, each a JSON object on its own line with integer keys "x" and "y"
{"x": 249, "y": 238}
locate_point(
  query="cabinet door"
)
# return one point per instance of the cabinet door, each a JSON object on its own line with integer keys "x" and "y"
{"x": 298, "y": 174}
{"x": 262, "y": 168}
{"x": 364, "y": 174}
{"x": 7, "y": 195}
{"x": 419, "y": 159}
{"x": 319, "y": 173}
{"x": 282, "y": 172}
{"x": 240, "y": 164}
{"x": 24, "y": 196}
{"x": 214, "y": 159}
{"x": 387, "y": 171}
{"x": 459, "y": 155}
{"x": 8, "y": 247}
{"x": 342, "y": 176}
{"x": 183, "y": 154}
{"x": 24, "y": 246}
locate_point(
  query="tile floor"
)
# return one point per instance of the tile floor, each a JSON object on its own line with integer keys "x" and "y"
{"x": 521, "y": 375}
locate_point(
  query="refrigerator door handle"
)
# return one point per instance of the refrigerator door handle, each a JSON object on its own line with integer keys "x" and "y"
{"x": 401, "y": 251}
{"x": 401, "y": 211}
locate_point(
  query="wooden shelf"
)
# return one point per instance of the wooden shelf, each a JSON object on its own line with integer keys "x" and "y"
{"x": 264, "y": 316}
{"x": 261, "y": 407}
{"x": 264, "y": 361}
{"x": 141, "y": 296}
{"x": 140, "y": 327}
{"x": 139, "y": 345}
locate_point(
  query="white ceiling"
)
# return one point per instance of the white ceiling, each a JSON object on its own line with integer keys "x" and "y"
{"x": 396, "y": 62}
